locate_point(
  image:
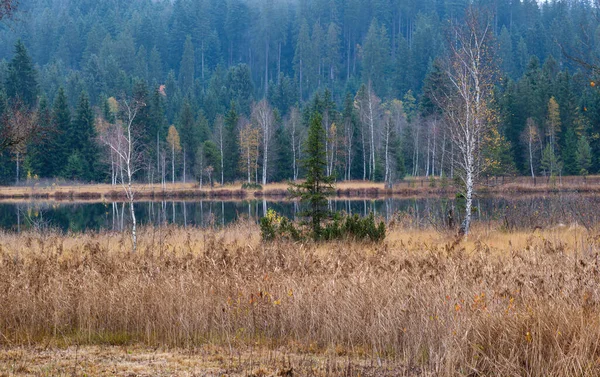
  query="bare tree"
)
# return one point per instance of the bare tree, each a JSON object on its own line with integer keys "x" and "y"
{"x": 18, "y": 125}
{"x": 21, "y": 124}
{"x": 262, "y": 116}
{"x": 123, "y": 140}
{"x": 466, "y": 103}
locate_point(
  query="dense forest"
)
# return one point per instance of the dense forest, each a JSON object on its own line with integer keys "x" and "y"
{"x": 223, "y": 90}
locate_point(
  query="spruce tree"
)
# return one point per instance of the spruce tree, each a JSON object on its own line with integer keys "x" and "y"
{"x": 37, "y": 161}
{"x": 187, "y": 67}
{"x": 21, "y": 83}
{"x": 82, "y": 139}
{"x": 59, "y": 147}
{"x": 584, "y": 155}
{"x": 317, "y": 186}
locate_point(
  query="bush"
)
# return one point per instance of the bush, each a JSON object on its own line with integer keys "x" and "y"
{"x": 355, "y": 227}
{"x": 251, "y": 186}
{"x": 274, "y": 226}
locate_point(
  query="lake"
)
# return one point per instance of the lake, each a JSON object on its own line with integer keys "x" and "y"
{"x": 512, "y": 212}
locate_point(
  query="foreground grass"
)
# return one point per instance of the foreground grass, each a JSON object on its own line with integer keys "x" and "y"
{"x": 421, "y": 303}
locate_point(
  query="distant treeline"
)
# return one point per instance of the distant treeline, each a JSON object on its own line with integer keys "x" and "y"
{"x": 228, "y": 87}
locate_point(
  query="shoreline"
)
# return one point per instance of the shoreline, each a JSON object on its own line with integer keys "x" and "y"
{"x": 414, "y": 188}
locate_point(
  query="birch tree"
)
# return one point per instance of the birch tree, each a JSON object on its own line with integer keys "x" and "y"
{"x": 263, "y": 117}
{"x": 368, "y": 105}
{"x": 348, "y": 119}
{"x": 124, "y": 141}
{"x": 468, "y": 97}
{"x": 249, "y": 141}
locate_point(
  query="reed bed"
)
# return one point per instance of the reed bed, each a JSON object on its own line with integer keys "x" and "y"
{"x": 421, "y": 303}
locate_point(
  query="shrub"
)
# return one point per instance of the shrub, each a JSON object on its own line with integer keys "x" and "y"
{"x": 355, "y": 227}
{"x": 251, "y": 186}
{"x": 274, "y": 226}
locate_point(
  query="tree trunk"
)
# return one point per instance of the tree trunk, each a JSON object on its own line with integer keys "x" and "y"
{"x": 469, "y": 202}
{"x": 531, "y": 154}
{"x": 17, "y": 168}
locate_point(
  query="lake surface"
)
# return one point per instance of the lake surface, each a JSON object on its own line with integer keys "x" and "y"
{"x": 511, "y": 212}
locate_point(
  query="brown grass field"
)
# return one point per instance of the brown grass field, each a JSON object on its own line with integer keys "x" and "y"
{"x": 410, "y": 187}
{"x": 195, "y": 302}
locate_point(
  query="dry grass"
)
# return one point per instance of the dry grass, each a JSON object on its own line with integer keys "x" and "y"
{"x": 421, "y": 303}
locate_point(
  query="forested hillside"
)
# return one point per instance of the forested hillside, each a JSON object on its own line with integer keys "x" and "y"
{"x": 223, "y": 89}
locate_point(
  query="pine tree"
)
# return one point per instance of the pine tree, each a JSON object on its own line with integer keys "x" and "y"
{"x": 317, "y": 186}
{"x": 21, "y": 83}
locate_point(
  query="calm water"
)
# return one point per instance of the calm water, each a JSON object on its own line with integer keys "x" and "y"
{"x": 512, "y": 212}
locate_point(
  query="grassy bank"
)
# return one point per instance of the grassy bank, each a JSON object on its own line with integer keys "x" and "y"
{"x": 421, "y": 303}
{"x": 410, "y": 187}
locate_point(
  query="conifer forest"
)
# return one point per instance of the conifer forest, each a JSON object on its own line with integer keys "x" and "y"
{"x": 223, "y": 90}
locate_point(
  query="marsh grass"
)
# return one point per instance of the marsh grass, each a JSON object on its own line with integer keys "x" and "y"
{"x": 496, "y": 304}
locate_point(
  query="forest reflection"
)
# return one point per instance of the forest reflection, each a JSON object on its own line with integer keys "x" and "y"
{"x": 511, "y": 213}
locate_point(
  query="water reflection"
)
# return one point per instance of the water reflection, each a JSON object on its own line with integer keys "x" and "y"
{"x": 512, "y": 213}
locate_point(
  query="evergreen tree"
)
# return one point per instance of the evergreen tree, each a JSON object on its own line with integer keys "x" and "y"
{"x": 82, "y": 139}
{"x": 584, "y": 155}
{"x": 155, "y": 67}
{"x": 187, "y": 67}
{"x": 376, "y": 58}
{"x": 231, "y": 147}
{"x": 75, "y": 169}
{"x": 549, "y": 163}
{"x": 303, "y": 60}
{"x": 189, "y": 132}
{"x": 60, "y": 146}
{"x": 21, "y": 83}
{"x": 37, "y": 161}
{"x": 317, "y": 186}
{"x": 569, "y": 153}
